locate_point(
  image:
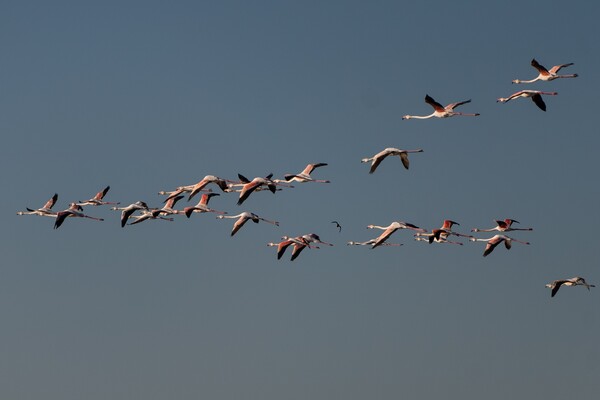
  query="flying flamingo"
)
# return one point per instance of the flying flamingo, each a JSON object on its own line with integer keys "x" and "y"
{"x": 221, "y": 183}
{"x": 547, "y": 74}
{"x": 495, "y": 241}
{"x": 202, "y": 206}
{"x": 74, "y": 210}
{"x": 441, "y": 111}
{"x": 371, "y": 242}
{"x": 97, "y": 200}
{"x": 503, "y": 226}
{"x": 45, "y": 211}
{"x": 130, "y": 209}
{"x": 388, "y": 230}
{"x": 575, "y": 281}
{"x": 390, "y": 151}
{"x": 314, "y": 238}
{"x": 251, "y": 186}
{"x": 442, "y": 239}
{"x": 243, "y": 218}
{"x": 153, "y": 213}
{"x": 169, "y": 204}
{"x": 304, "y": 176}
{"x": 443, "y": 232}
{"x": 197, "y": 187}
{"x": 174, "y": 193}
{"x": 536, "y": 96}
{"x": 299, "y": 243}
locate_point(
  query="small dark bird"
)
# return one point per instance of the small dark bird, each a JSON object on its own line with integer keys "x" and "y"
{"x": 337, "y": 224}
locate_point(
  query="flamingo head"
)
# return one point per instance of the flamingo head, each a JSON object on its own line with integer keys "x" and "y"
{"x": 406, "y": 117}
{"x": 516, "y": 81}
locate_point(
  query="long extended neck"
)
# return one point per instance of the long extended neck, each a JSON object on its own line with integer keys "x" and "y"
{"x": 419, "y": 116}
{"x": 529, "y": 81}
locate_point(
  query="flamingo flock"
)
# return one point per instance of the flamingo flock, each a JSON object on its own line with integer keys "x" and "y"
{"x": 139, "y": 211}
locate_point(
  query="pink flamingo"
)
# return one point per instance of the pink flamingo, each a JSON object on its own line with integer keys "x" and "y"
{"x": 129, "y": 210}
{"x": 503, "y": 226}
{"x": 440, "y": 111}
{"x": 97, "y": 200}
{"x": 44, "y": 211}
{"x": 304, "y": 176}
{"x": 390, "y": 151}
{"x": 202, "y": 206}
{"x": 535, "y": 95}
{"x": 495, "y": 241}
{"x": 74, "y": 210}
{"x": 388, "y": 230}
{"x": 243, "y": 218}
{"x": 546, "y": 74}
{"x": 251, "y": 185}
{"x": 575, "y": 281}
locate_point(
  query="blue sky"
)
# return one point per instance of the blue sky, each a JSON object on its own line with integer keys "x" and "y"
{"x": 144, "y": 96}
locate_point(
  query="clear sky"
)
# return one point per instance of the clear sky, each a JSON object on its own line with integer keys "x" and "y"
{"x": 146, "y": 96}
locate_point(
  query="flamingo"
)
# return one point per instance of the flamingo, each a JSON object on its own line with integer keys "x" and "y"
{"x": 243, "y": 218}
{"x": 221, "y": 183}
{"x": 197, "y": 187}
{"x": 443, "y": 232}
{"x": 179, "y": 190}
{"x": 390, "y": 151}
{"x": 130, "y": 209}
{"x": 388, "y": 230}
{"x": 202, "y": 206}
{"x": 495, "y": 241}
{"x": 153, "y": 213}
{"x": 97, "y": 200}
{"x": 314, "y": 238}
{"x": 536, "y": 96}
{"x": 74, "y": 210}
{"x": 304, "y": 176}
{"x": 547, "y": 74}
{"x": 251, "y": 186}
{"x": 440, "y": 111}
{"x": 44, "y": 211}
{"x": 170, "y": 203}
{"x": 442, "y": 239}
{"x": 298, "y": 242}
{"x": 575, "y": 281}
{"x": 371, "y": 242}
{"x": 503, "y": 226}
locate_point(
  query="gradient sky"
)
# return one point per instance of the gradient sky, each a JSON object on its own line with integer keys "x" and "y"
{"x": 145, "y": 96}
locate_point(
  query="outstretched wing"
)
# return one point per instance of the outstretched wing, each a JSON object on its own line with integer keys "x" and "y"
{"x": 437, "y": 106}
{"x": 50, "y": 203}
{"x": 537, "y": 99}
{"x": 557, "y": 68}
{"x": 541, "y": 69}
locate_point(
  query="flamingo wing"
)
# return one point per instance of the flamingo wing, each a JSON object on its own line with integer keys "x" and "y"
{"x": 452, "y": 106}
{"x": 555, "y": 286}
{"x": 537, "y": 99}
{"x": 297, "y": 250}
{"x": 247, "y": 189}
{"x": 50, "y": 203}
{"x": 436, "y": 106}
{"x": 60, "y": 218}
{"x": 383, "y": 237}
{"x": 541, "y": 69}
{"x": 376, "y": 161}
{"x": 404, "y": 158}
{"x": 557, "y": 68}
{"x": 491, "y": 245}
{"x": 238, "y": 225}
